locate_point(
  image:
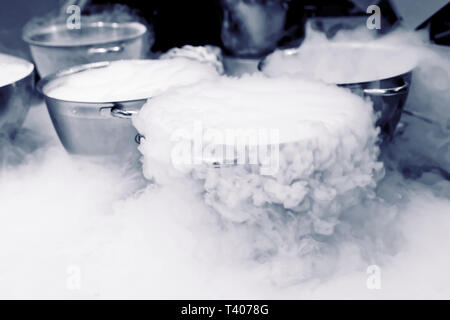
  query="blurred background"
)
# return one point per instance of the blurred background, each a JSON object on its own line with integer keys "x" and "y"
{"x": 200, "y": 22}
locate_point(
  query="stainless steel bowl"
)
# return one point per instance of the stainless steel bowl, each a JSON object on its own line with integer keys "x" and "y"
{"x": 56, "y": 47}
{"x": 15, "y": 99}
{"x": 85, "y": 128}
{"x": 387, "y": 94}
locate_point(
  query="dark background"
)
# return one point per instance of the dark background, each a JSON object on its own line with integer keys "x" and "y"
{"x": 176, "y": 23}
{"x": 195, "y": 22}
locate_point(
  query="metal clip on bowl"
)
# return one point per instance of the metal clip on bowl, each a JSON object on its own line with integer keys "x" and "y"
{"x": 387, "y": 91}
{"x": 119, "y": 112}
{"x": 398, "y": 90}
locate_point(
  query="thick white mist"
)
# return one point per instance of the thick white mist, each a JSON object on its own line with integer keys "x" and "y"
{"x": 207, "y": 54}
{"x": 348, "y": 58}
{"x": 132, "y": 239}
{"x": 326, "y": 162}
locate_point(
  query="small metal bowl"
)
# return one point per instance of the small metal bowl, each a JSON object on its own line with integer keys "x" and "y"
{"x": 15, "y": 98}
{"x": 91, "y": 128}
{"x": 56, "y": 47}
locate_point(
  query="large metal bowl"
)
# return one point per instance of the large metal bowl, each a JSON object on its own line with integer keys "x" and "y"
{"x": 85, "y": 128}
{"x": 387, "y": 94}
{"x": 15, "y": 99}
{"x": 56, "y": 47}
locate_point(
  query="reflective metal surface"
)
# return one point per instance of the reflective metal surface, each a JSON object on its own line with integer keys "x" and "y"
{"x": 388, "y": 97}
{"x": 387, "y": 94}
{"x": 15, "y": 101}
{"x": 56, "y": 48}
{"x": 92, "y": 128}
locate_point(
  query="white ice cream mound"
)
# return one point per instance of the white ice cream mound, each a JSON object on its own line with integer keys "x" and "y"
{"x": 341, "y": 62}
{"x": 327, "y": 154}
{"x": 207, "y": 54}
{"x": 13, "y": 69}
{"x": 129, "y": 80}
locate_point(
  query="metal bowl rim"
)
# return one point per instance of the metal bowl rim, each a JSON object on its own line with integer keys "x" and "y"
{"x": 364, "y": 83}
{"x": 115, "y": 25}
{"x": 355, "y": 44}
{"x": 77, "y": 69}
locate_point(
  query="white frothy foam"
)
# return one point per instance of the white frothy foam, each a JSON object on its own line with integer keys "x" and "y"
{"x": 13, "y": 69}
{"x": 207, "y": 54}
{"x": 129, "y": 80}
{"x": 343, "y": 61}
{"x": 327, "y": 159}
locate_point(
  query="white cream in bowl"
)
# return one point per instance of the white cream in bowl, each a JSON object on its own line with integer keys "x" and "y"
{"x": 128, "y": 80}
{"x": 13, "y": 69}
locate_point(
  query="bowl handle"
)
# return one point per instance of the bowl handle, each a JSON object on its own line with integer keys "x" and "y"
{"x": 388, "y": 91}
{"x": 119, "y": 112}
{"x": 393, "y": 91}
